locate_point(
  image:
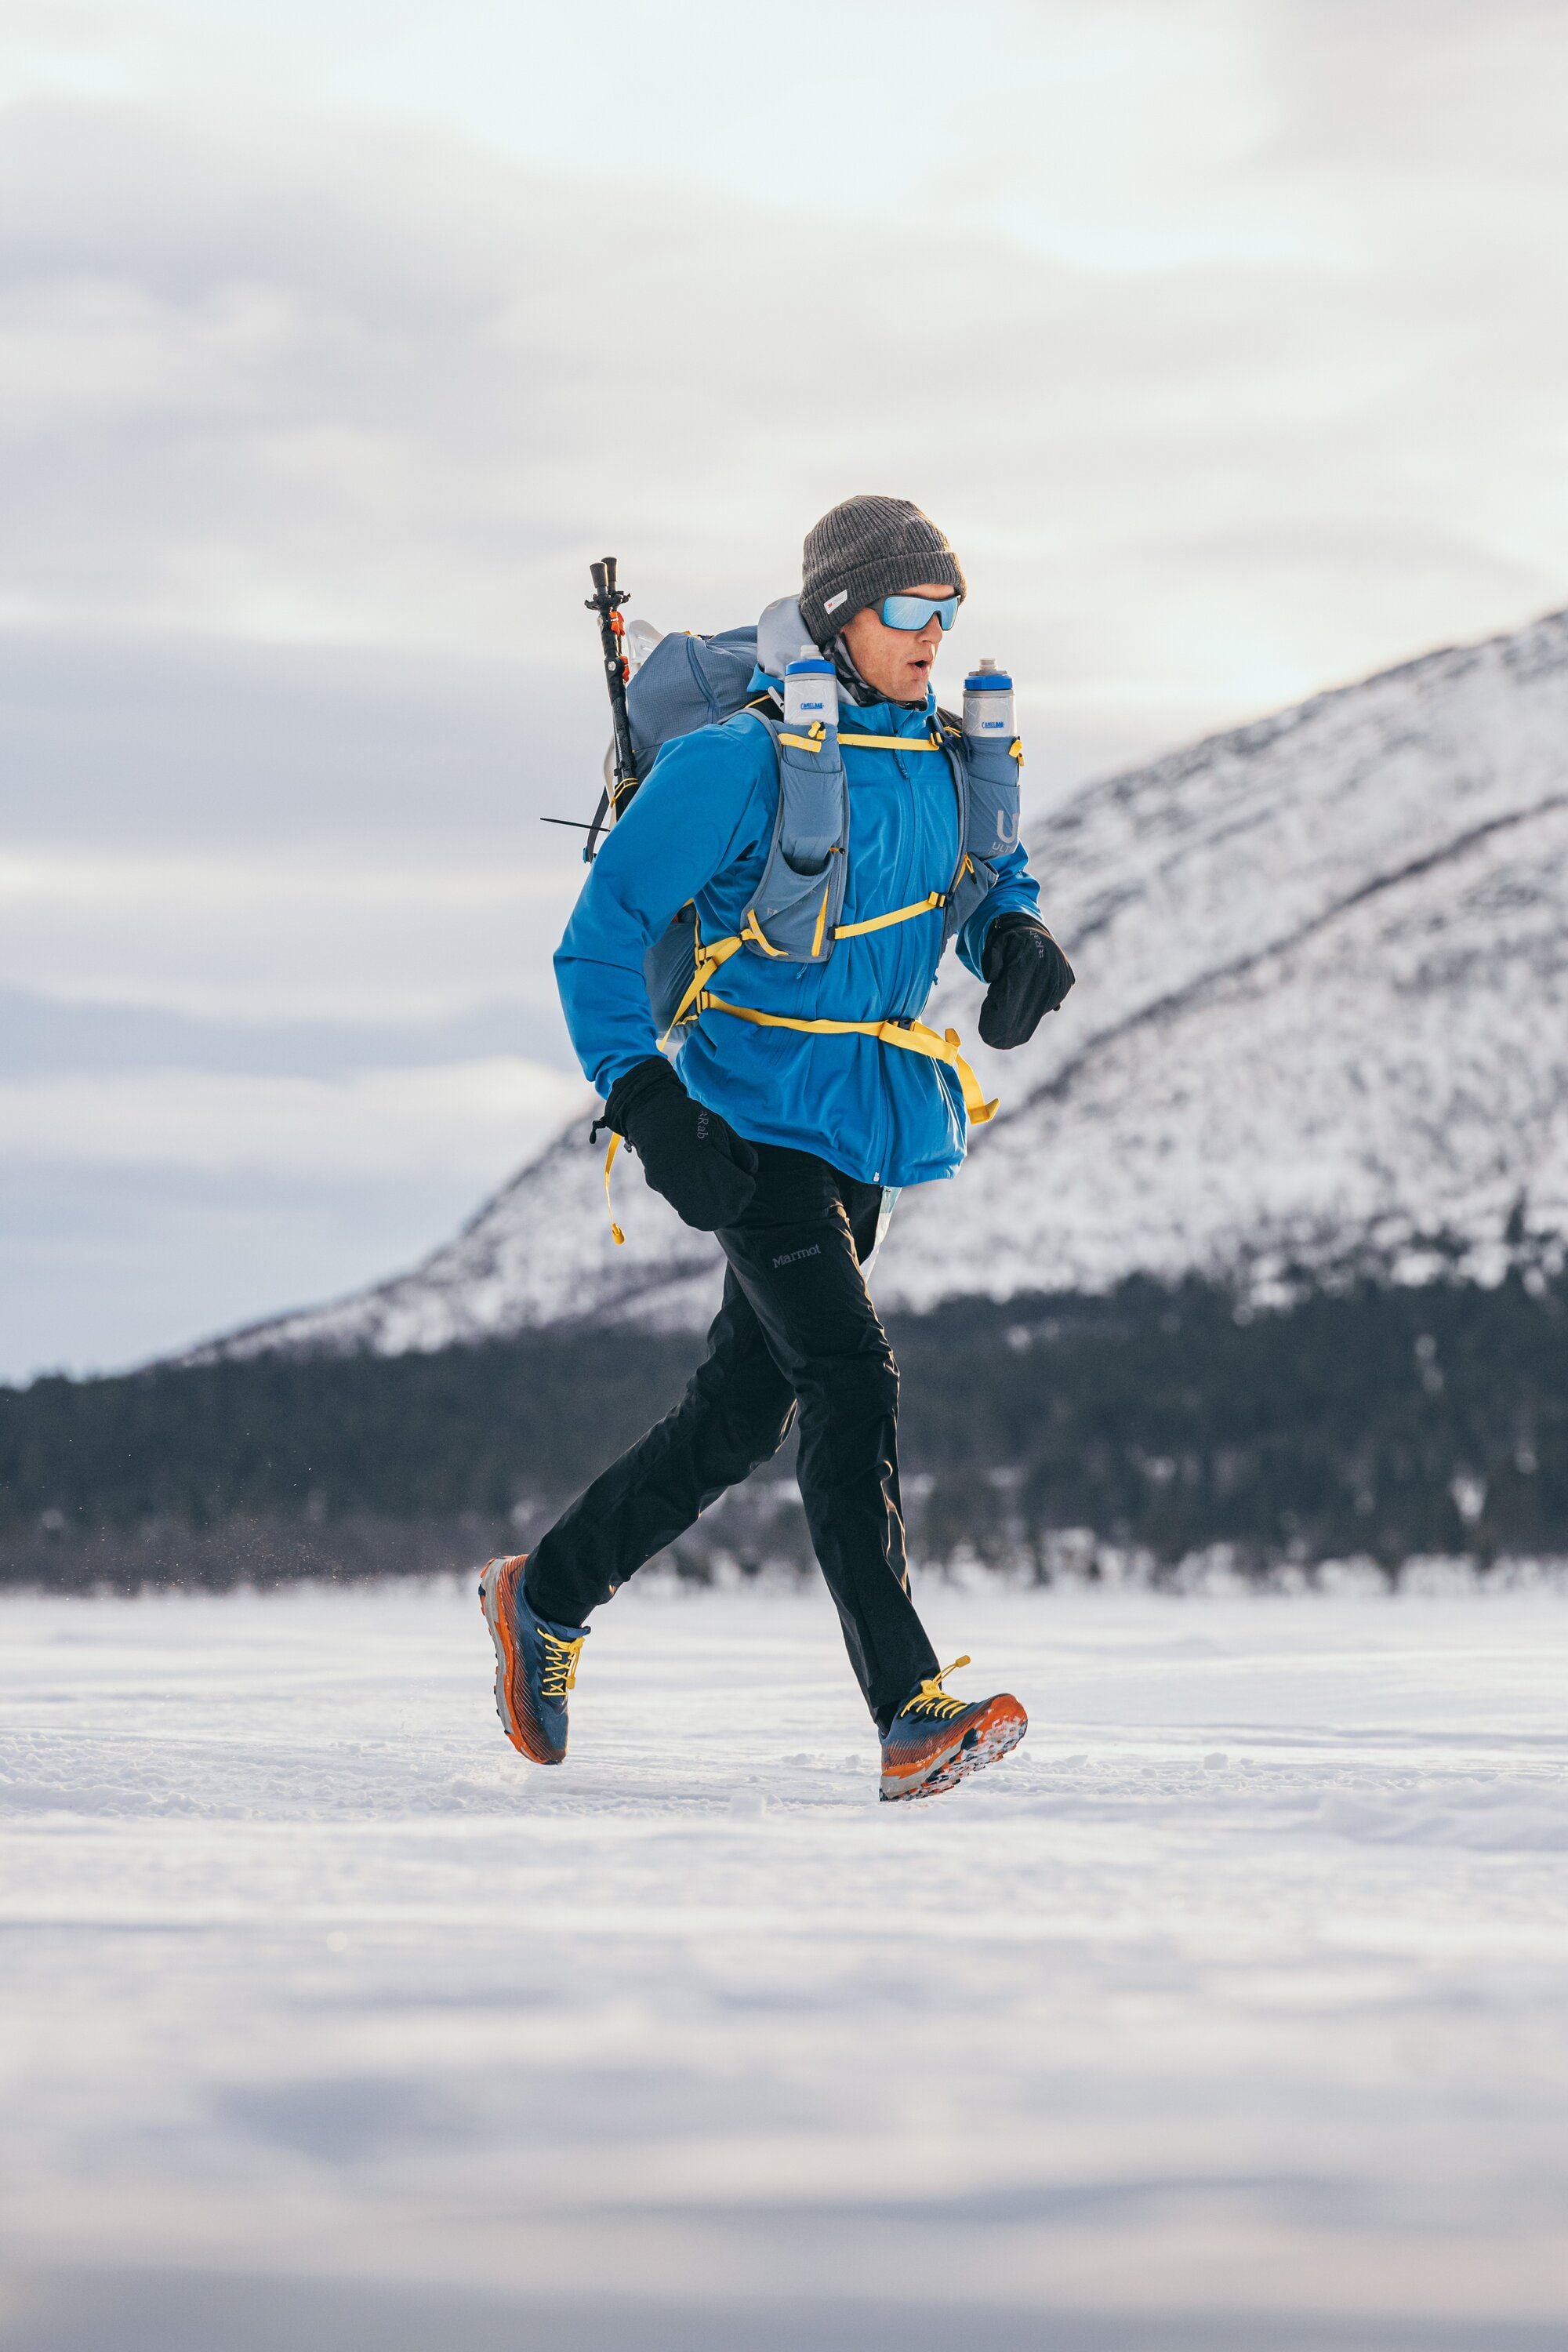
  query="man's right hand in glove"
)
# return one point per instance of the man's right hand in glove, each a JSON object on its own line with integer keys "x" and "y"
{"x": 1029, "y": 977}
{"x": 706, "y": 1172}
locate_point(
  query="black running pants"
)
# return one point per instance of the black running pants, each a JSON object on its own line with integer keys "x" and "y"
{"x": 796, "y": 1329}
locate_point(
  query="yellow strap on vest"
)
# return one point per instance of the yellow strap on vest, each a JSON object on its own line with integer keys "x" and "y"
{"x": 926, "y": 906}
{"x": 752, "y": 929}
{"x": 719, "y": 952}
{"x": 803, "y": 742}
{"x": 913, "y": 1037}
{"x": 615, "y": 1233}
{"x": 822, "y": 919}
{"x": 707, "y": 963}
{"x": 885, "y": 742}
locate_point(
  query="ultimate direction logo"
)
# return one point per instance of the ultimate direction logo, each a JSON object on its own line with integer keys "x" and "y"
{"x": 793, "y": 1257}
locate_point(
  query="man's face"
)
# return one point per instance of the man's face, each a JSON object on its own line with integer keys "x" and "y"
{"x": 897, "y": 662}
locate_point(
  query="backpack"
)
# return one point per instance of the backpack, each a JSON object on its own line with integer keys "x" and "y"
{"x": 687, "y": 682}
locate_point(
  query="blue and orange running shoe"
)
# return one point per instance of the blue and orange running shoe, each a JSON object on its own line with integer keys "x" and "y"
{"x": 536, "y": 1663}
{"x": 935, "y": 1741}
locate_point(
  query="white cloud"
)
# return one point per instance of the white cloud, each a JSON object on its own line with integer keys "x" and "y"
{"x": 470, "y": 1121}
{"x": 379, "y": 370}
{"x": 249, "y": 939}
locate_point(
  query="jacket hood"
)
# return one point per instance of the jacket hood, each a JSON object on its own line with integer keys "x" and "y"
{"x": 781, "y": 634}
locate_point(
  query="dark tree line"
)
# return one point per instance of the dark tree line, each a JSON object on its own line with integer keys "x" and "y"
{"x": 1371, "y": 1420}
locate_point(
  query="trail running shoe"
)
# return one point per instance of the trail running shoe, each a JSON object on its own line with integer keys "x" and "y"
{"x": 536, "y": 1663}
{"x": 935, "y": 1741}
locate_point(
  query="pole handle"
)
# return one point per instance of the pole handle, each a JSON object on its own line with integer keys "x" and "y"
{"x": 607, "y": 601}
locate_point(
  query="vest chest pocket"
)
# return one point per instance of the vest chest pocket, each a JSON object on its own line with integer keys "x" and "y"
{"x": 800, "y": 896}
{"x": 991, "y": 787}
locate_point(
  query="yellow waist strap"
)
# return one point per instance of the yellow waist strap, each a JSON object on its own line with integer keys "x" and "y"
{"x": 911, "y": 1037}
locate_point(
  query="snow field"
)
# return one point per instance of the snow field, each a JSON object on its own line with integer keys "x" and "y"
{"x": 1228, "y": 2012}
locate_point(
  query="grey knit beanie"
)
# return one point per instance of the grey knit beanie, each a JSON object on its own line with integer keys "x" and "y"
{"x": 867, "y": 549}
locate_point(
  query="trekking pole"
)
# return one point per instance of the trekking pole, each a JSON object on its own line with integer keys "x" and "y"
{"x": 607, "y": 601}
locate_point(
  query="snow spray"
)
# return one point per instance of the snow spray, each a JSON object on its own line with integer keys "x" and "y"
{"x": 988, "y": 705}
{"x": 811, "y": 691}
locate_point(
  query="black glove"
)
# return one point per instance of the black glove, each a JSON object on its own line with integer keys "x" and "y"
{"x": 706, "y": 1172}
{"x": 1029, "y": 976}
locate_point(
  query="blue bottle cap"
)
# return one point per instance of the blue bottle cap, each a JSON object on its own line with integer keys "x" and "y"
{"x": 988, "y": 681}
{"x": 813, "y": 668}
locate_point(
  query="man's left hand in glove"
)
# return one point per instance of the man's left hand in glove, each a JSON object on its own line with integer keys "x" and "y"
{"x": 1029, "y": 977}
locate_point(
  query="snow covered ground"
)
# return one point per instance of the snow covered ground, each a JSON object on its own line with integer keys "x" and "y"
{"x": 1228, "y": 2016}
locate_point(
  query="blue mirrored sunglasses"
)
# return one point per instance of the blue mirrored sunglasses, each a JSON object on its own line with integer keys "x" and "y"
{"x": 914, "y": 612}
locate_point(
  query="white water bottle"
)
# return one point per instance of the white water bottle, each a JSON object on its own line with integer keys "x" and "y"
{"x": 811, "y": 691}
{"x": 988, "y": 705}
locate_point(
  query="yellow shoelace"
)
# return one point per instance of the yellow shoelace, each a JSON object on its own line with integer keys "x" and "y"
{"x": 560, "y": 1673}
{"x": 932, "y": 1699}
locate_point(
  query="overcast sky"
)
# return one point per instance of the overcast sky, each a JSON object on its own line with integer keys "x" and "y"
{"x": 1228, "y": 340}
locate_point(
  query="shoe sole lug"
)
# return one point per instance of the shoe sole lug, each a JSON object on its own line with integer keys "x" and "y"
{"x": 980, "y": 1745}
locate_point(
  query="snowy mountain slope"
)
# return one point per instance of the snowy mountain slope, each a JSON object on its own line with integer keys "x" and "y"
{"x": 540, "y": 1251}
{"x": 1322, "y": 1009}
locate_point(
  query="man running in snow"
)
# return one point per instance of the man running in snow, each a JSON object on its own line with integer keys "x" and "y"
{"x": 787, "y": 1143}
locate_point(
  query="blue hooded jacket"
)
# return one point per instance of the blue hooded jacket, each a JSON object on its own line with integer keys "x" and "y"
{"x": 699, "y": 828}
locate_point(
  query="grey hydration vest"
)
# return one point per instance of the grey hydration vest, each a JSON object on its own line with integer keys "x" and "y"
{"x": 795, "y": 910}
